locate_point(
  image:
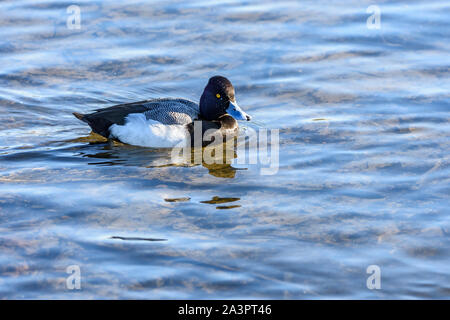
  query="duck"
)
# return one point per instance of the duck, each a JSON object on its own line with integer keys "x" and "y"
{"x": 167, "y": 122}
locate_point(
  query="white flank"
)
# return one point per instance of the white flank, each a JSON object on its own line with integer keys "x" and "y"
{"x": 139, "y": 131}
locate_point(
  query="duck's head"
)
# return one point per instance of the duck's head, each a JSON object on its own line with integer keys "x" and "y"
{"x": 218, "y": 99}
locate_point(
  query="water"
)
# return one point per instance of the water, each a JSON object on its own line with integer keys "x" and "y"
{"x": 363, "y": 174}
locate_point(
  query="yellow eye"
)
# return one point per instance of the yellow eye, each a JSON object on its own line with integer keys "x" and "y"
{"x": 218, "y": 96}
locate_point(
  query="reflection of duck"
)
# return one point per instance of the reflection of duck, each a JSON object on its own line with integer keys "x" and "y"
{"x": 166, "y": 122}
{"x": 220, "y": 170}
{"x": 116, "y": 153}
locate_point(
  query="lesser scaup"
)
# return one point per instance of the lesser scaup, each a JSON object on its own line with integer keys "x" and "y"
{"x": 165, "y": 122}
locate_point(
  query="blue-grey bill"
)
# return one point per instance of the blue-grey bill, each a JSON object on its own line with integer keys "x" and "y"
{"x": 236, "y": 112}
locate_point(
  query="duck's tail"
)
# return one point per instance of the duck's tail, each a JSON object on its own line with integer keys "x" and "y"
{"x": 79, "y": 116}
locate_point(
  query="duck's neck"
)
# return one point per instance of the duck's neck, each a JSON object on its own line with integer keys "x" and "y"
{"x": 228, "y": 122}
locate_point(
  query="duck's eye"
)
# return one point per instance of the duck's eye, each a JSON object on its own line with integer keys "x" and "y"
{"x": 218, "y": 96}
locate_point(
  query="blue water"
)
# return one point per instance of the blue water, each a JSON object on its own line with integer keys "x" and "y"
{"x": 363, "y": 177}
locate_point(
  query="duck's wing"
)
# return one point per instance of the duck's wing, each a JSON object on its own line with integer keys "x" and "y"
{"x": 102, "y": 119}
{"x": 166, "y": 111}
{"x": 172, "y": 111}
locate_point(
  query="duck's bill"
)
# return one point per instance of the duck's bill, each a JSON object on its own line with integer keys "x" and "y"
{"x": 236, "y": 112}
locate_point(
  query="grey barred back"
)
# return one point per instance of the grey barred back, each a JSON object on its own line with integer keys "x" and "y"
{"x": 171, "y": 110}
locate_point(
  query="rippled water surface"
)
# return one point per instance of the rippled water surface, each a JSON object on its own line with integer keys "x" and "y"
{"x": 363, "y": 178}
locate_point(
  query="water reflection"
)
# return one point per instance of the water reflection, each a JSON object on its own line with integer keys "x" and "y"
{"x": 136, "y": 238}
{"x": 219, "y": 200}
{"x": 114, "y": 153}
{"x": 221, "y": 170}
{"x": 216, "y": 200}
{"x": 183, "y": 199}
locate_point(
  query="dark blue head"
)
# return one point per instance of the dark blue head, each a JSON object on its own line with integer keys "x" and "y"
{"x": 218, "y": 99}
